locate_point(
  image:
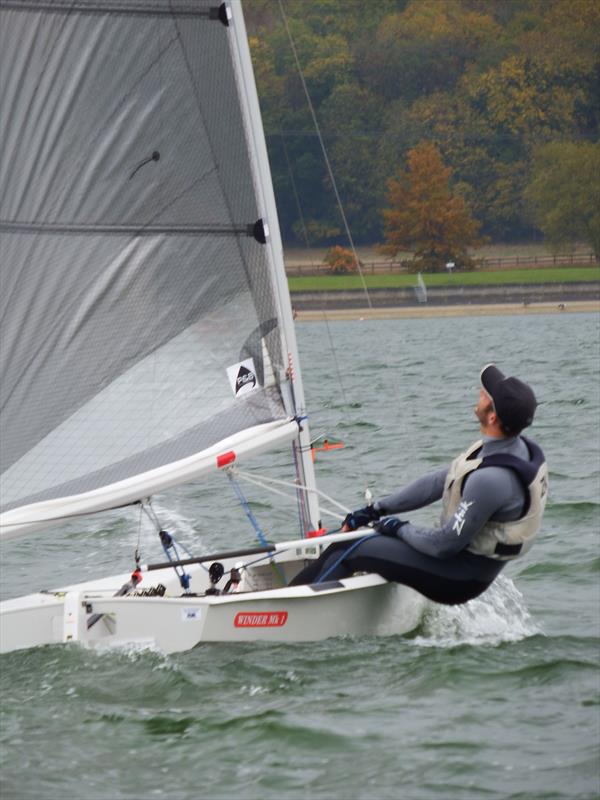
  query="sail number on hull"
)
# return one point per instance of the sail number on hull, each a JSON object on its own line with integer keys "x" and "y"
{"x": 260, "y": 619}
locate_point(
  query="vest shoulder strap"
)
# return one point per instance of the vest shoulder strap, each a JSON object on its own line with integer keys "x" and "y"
{"x": 473, "y": 451}
{"x": 525, "y": 470}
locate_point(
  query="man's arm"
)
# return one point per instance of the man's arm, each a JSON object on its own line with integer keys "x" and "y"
{"x": 421, "y": 492}
{"x": 486, "y": 493}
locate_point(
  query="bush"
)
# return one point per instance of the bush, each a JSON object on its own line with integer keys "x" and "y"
{"x": 341, "y": 261}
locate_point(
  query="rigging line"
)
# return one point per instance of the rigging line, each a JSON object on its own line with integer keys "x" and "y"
{"x": 301, "y": 499}
{"x": 281, "y": 482}
{"x": 278, "y": 492}
{"x": 168, "y": 544}
{"x": 295, "y": 190}
{"x": 319, "y": 436}
{"x": 325, "y": 156}
{"x": 333, "y": 514}
{"x": 338, "y": 372}
{"x": 291, "y": 497}
{"x": 247, "y": 564}
{"x": 146, "y": 507}
{"x": 344, "y": 555}
{"x": 306, "y": 237}
{"x": 255, "y": 524}
{"x": 139, "y": 537}
{"x": 307, "y": 241}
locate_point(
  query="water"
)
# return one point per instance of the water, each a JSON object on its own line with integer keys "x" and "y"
{"x": 495, "y": 699}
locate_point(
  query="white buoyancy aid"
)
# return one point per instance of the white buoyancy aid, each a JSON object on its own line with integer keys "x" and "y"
{"x": 501, "y": 540}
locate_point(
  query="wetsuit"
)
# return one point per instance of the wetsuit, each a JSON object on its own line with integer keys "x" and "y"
{"x": 441, "y": 562}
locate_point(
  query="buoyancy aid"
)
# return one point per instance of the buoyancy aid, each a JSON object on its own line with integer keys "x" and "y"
{"x": 501, "y": 540}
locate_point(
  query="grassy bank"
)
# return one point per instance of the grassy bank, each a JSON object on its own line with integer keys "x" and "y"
{"x": 316, "y": 283}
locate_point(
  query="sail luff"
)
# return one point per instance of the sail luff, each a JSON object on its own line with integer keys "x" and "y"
{"x": 245, "y": 74}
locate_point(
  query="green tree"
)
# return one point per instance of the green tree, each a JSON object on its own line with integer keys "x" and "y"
{"x": 564, "y": 193}
{"x": 347, "y": 124}
{"x": 520, "y": 98}
{"x": 426, "y": 47}
{"x": 425, "y": 216}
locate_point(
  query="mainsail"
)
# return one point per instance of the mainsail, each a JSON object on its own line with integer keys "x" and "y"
{"x": 421, "y": 289}
{"x": 146, "y": 325}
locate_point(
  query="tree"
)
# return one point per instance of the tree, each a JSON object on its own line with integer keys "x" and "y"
{"x": 490, "y": 82}
{"x": 346, "y": 121}
{"x": 522, "y": 100}
{"x": 564, "y": 193}
{"x": 426, "y": 46}
{"x": 425, "y": 217}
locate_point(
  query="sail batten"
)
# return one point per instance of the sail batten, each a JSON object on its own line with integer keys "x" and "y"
{"x": 141, "y": 320}
{"x": 119, "y": 230}
{"x": 145, "y": 8}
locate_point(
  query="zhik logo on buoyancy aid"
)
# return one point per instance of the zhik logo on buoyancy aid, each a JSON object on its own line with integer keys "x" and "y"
{"x": 242, "y": 377}
{"x": 459, "y": 516}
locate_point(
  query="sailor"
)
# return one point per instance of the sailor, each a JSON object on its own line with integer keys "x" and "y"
{"x": 493, "y": 497}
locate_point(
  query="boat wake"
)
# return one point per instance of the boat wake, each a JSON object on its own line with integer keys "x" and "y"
{"x": 499, "y": 615}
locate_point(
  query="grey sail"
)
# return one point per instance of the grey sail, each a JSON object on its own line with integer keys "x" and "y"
{"x": 140, "y": 319}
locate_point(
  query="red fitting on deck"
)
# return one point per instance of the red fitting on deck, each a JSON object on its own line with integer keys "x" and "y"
{"x": 136, "y": 576}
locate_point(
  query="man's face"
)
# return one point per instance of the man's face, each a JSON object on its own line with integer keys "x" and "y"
{"x": 484, "y": 408}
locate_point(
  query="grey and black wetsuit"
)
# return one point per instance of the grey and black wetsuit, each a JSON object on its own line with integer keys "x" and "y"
{"x": 446, "y": 564}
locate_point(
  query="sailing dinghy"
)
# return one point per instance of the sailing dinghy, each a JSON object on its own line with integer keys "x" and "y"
{"x": 147, "y": 332}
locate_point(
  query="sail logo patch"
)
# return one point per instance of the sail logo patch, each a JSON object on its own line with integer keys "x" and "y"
{"x": 260, "y": 619}
{"x": 242, "y": 377}
{"x": 245, "y": 379}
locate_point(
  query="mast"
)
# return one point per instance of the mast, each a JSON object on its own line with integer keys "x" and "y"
{"x": 264, "y": 187}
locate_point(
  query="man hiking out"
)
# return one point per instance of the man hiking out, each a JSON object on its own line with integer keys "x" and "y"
{"x": 493, "y": 498}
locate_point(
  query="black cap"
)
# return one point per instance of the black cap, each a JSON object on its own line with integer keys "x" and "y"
{"x": 514, "y": 401}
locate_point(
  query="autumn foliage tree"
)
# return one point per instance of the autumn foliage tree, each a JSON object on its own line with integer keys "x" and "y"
{"x": 425, "y": 217}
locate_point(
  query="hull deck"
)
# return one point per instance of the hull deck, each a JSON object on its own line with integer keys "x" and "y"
{"x": 262, "y": 609}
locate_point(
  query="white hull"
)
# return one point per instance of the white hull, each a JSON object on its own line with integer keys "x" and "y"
{"x": 360, "y": 605}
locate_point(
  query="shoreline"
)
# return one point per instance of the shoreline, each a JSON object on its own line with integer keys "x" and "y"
{"x": 471, "y": 310}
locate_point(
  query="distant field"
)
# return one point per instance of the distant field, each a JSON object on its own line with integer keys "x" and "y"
{"x": 315, "y": 283}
